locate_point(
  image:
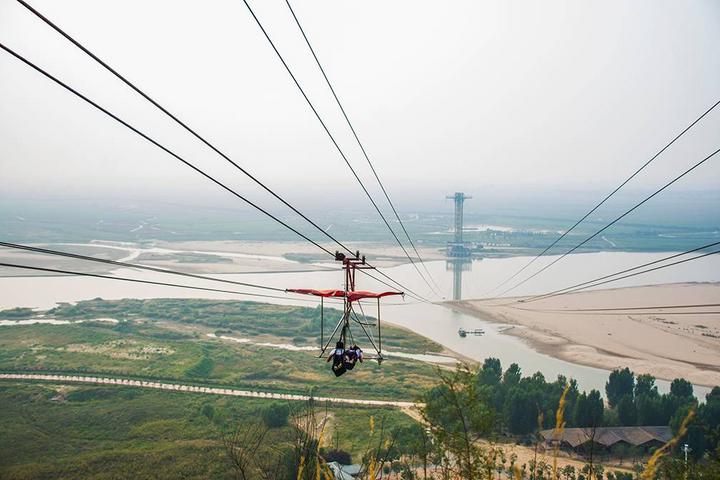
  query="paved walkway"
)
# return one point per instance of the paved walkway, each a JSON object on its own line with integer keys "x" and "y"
{"x": 196, "y": 389}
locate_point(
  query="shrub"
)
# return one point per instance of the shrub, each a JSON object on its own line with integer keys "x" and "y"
{"x": 276, "y": 415}
{"x": 336, "y": 455}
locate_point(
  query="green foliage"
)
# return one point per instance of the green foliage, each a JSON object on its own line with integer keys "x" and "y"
{"x": 208, "y": 411}
{"x": 588, "y": 410}
{"x": 681, "y": 388}
{"x": 522, "y": 411}
{"x": 276, "y": 415}
{"x": 491, "y": 372}
{"x": 164, "y": 339}
{"x": 627, "y": 412}
{"x": 250, "y": 318}
{"x": 645, "y": 386}
{"x": 106, "y": 432}
{"x": 340, "y": 456}
{"x": 619, "y": 384}
{"x": 203, "y": 368}
{"x": 19, "y": 313}
{"x": 460, "y": 412}
{"x": 512, "y": 375}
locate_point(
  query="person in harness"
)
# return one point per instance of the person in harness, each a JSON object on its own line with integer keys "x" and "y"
{"x": 338, "y": 357}
{"x": 353, "y": 354}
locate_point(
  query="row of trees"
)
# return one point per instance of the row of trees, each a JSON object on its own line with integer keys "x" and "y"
{"x": 469, "y": 405}
{"x": 464, "y": 410}
{"x": 637, "y": 401}
{"x": 518, "y": 400}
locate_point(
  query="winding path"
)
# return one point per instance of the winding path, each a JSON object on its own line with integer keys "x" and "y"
{"x": 197, "y": 389}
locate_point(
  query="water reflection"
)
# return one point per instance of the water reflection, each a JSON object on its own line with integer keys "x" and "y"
{"x": 458, "y": 266}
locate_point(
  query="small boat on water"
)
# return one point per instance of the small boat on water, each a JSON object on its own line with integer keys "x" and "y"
{"x": 464, "y": 333}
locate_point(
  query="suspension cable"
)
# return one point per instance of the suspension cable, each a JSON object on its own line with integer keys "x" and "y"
{"x": 334, "y": 142}
{"x": 131, "y": 265}
{"x": 541, "y": 297}
{"x": 357, "y": 139}
{"x": 179, "y": 122}
{"x": 136, "y": 280}
{"x": 637, "y": 205}
{"x": 654, "y": 262}
{"x": 191, "y": 131}
{"x": 160, "y": 146}
{"x": 607, "y": 197}
{"x": 623, "y": 309}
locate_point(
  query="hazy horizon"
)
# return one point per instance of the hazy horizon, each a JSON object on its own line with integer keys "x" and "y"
{"x": 474, "y": 97}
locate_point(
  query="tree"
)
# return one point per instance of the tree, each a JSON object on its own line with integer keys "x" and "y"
{"x": 459, "y": 414}
{"x": 627, "y": 413}
{"x": 491, "y": 372}
{"x": 242, "y": 446}
{"x": 681, "y": 388}
{"x": 619, "y": 384}
{"x": 568, "y": 472}
{"x": 276, "y": 415}
{"x": 340, "y": 456}
{"x": 588, "y": 410}
{"x": 521, "y": 410}
{"x": 649, "y": 410}
{"x": 512, "y": 375}
{"x": 645, "y": 386}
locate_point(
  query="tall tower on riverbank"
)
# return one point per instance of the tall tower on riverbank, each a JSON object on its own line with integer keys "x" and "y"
{"x": 458, "y": 254}
{"x": 457, "y": 248}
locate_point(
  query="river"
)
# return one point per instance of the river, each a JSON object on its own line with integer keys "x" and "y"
{"x": 436, "y": 322}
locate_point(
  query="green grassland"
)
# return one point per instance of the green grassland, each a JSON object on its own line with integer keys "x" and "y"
{"x": 50, "y": 432}
{"x": 84, "y": 431}
{"x": 168, "y": 339}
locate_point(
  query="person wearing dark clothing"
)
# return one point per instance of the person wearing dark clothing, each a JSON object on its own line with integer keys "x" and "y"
{"x": 338, "y": 357}
{"x": 353, "y": 354}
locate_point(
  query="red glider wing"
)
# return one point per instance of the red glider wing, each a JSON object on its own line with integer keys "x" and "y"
{"x": 317, "y": 293}
{"x": 352, "y": 296}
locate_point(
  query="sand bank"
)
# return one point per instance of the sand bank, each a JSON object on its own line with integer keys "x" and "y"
{"x": 205, "y": 256}
{"x": 623, "y": 327}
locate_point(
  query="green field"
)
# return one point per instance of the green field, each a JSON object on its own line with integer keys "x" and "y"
{"x": 72, "y": 431}
{"x": 168, "y": 339}
{"x": 50, "y": 431}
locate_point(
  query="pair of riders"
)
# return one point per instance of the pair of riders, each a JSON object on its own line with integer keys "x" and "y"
{"x": 344, "y": 359}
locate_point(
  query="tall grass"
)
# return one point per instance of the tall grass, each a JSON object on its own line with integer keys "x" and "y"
{"x": 559, "y": 427}
{"x": 649, "y": 472}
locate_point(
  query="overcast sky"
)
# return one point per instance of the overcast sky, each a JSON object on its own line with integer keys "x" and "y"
{"x": 481, "y": 96}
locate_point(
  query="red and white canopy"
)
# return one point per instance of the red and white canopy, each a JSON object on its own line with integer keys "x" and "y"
{"x": 351, "y": 296}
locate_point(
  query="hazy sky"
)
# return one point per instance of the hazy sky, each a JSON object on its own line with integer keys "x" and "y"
{"x": 481, "y": 96}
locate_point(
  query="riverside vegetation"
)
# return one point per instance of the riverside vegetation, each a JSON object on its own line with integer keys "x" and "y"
{"x": 467, "y": 415}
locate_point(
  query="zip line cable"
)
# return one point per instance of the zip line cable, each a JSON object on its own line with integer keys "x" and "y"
{"x": 653, "y": 307}
{"x": 136, "y": 280}
{"x": 196, "y": 135}
{"x": 58, "y": 253}
{"x": 178, "y": 121}
{"x": 542, "y": 297}
{"x": 173, "y": 154}
{"x": 332, "y": 138}
{"x": 654, "y": 262}
{"x": 607, "y": 197}
{"x": 611, "y": 223}
{"x": 154, "y": 142}
{"x": 357, "y": 139}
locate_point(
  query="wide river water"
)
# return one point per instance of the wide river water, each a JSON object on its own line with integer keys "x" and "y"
{"x": 437, "y": 322}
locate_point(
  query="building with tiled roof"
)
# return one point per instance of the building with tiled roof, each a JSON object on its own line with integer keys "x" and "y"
{"x": 608, "y": 437}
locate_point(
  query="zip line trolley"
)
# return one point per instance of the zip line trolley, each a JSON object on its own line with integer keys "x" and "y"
{"x": 351, "y": 299}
